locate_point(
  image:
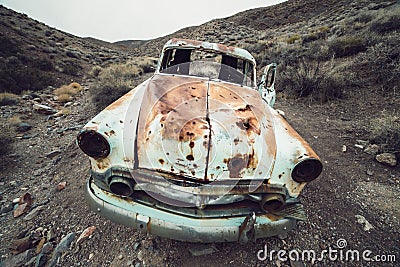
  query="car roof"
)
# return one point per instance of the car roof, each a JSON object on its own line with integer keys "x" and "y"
{"x": 193, "y": 44}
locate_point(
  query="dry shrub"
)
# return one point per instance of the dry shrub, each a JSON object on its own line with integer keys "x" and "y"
{"x": 307, "y": 78}
{"x": 293, "y": 39}
{"x": 386, "y": 24}
{"x": 347, "y": 46}
{"x": 8, "y": 99}
{"x": 76, "y": 86}
{"x": 118, "y": 79}
{"x": 69, "y": 90}
{"x": 64, "y": 90}
{"x": 95, "y": 71}
{"x": 63, "y": 98}
{"x": 380, "y": 66}
{"x": 385, "y": 131}
{"x": 147, "y": 64}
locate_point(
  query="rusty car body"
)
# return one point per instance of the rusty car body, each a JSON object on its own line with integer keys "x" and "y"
{"x": 197, "y": 152}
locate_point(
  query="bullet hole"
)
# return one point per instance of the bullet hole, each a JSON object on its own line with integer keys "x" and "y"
{"x": 191, "y": 144}
{"x": 190, "y": 157}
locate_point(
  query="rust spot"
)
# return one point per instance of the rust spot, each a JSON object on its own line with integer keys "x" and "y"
{"x": 237, "y": 164}
{"x": 110, "y": 133}
{"x": 161, "y": 161}
{"x": 149, "y": 225}
{"x": 236, "y": 141}
{"x": 193, "y": 172}
{"x": 172, "y": 169}
{"x": 249, "y": 125}
{"x": 246, "y": 108}
{"x": 195, "y": 165}
{"x": 191, "y": 144}
{"x": 190, "y": 157}
{"x": 218, "y": 167}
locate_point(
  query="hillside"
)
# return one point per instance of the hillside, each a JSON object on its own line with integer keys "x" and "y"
{"x": 338, "y": 77}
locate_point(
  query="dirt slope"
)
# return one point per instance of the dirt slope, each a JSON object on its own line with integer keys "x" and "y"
{"x": 353, "y": 185}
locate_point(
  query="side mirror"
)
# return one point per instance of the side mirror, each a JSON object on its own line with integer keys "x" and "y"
{"x": 266, "y": 86}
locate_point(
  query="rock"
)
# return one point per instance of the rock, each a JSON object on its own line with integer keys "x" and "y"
{"x": 361, "y": 220}
{"x": 53, "y": 153}
{"x": 32, "y": 214}
{"x": 19, "y": 259}
{"x": 136, "y": 246}
{"x": 47, "y": 248}
{"x": 23, "y": 127}
{"x": 344, "y": 148}
{"x": 86, "y": 233}
{"x": 359, "y": 146}
{"x": 91, "y": 255}
{"x": 362, "y": 142}
{"x": 21, "y": 209}
{"x": 372, "y": 149}
{"x": 23, "y": 244}
{"x": 44, "y": 109}
{"x": 388, "y": 159}
{"x": 7, "y": 208}
{"x": 40, "y": 245}
{"x": 370, "y": 173}
{"x": 65, "y": 243}
{"x": 61, "y": 186}
{"x": 62, "y": 247}
{"x": 41, "y": 260}
{"x": 37, "y": 172}
{"x": 202, "y": 249}
{"x": 120, "y": 257}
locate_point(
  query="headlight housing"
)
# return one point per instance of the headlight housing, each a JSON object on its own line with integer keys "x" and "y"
{"x": 307, "y": 170}
{"x": 93, "y": 144}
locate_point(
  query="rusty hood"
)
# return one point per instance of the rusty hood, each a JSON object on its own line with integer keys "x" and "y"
{"x": 205, "y": 130}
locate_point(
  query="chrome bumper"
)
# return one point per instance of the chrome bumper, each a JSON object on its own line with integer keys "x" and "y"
{"x": 165, "y": 224}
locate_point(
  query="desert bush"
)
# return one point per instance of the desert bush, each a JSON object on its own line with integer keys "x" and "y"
{"x": 309, "y": 38}
{"x": 293, "y": 39}
{"x": 63, "y": 98}
{"x": 385, "y": 131}
{"x": 8, "y": 99}
{"x": 113, "y": 82}
{"x": 146, "y": 64}
{"x": 386, "y": 24}
{"x": 347, "y": 46}
{"x": 306, "y": 78}
{"x": 66, "y": 92}
{"x": 95, "y": 71}
{"x": 380, "y": 66}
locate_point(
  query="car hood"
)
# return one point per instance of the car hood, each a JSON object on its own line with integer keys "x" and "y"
{"x": 205, "y": 130}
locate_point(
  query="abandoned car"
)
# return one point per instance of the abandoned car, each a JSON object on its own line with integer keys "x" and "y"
{"x": 197, "y": 152}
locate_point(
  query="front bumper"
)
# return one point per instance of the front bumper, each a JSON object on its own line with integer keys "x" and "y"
{"x": 166, "y": 224}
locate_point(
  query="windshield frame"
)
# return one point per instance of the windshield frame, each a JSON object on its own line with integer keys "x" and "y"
{"x": 249, "y": 67}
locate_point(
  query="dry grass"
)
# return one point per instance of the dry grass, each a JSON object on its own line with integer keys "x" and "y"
{"x": 8, "y": 99}
{"x": 66, "y": 92}
{"x": 117, "y": 79}
{"x": 385, "y": 131}
{"x": 64, "y": 98}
